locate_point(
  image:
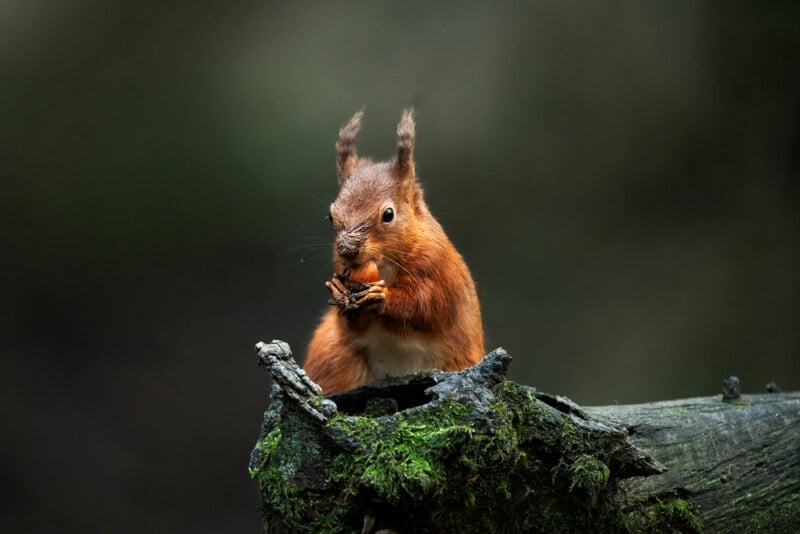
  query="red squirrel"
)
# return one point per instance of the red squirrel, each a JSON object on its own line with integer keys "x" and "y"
{"x": 403, "y": 298}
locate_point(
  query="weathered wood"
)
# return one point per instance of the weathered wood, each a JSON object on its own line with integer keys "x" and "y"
{"x": 737, "y": 463}
{"x": 471, "y": 451}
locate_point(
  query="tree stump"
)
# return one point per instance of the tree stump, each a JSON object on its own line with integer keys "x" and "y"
{"x": 470, "y": 451}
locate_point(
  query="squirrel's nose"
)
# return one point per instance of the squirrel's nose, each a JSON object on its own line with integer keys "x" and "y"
{"x": 347, "y": 248}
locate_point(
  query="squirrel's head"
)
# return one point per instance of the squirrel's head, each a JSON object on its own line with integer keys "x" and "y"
{"x": 379, "y": 205}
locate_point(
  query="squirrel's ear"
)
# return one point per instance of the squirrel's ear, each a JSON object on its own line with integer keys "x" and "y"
{"x": 345, "y": 147}
{"x": 405, "y": 145}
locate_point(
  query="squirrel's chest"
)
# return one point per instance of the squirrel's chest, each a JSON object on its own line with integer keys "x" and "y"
{"x": 389, "y": 354}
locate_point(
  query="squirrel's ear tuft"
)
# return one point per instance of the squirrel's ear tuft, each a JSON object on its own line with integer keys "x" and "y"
{"x": 345, "y": 147}
{"x": 405, "y": 144}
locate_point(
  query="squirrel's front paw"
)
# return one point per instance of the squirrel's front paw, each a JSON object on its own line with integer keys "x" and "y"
{"x": 352, "y": 296}
{"x": 370, "y": 294}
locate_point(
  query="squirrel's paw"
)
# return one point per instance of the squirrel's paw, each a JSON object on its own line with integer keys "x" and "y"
{"x": 339, "y": 293}
{"x": 375, "y": 293}
{"x": 355, "y": 296}
{"x": 335, "y": 286}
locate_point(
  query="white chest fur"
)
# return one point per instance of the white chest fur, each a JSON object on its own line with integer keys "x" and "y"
{"x": 392, "y": 355}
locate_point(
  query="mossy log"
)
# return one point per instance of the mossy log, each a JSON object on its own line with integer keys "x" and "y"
{"x": 470, "y": 451}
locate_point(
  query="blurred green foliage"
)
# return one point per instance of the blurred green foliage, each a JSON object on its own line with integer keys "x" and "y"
{"x": 622, "y": 180}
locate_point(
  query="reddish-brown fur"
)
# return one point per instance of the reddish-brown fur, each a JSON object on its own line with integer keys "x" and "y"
{"x": 424, "y": 313}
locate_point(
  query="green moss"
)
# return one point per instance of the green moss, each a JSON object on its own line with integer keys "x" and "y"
{"x": 590, "y": 476}
{"x": 511, "y": 482}
{"x": 264, "y": 448}
{"x": 401, "y": 458}
{"x": 677, "y": 512}
{"x": 665, "y": 513}
{"x": 396, "y": 466}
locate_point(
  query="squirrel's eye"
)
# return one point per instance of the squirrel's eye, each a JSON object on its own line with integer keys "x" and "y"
{"x": 388, "y": 215}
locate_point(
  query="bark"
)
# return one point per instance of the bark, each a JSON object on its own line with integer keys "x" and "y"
{"x": 736, "y": 462}
{"x": 471, "y": 451}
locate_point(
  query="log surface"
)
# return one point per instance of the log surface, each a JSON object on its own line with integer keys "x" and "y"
{"x": 470, "y": 451}
{"x": 736, "y": 462}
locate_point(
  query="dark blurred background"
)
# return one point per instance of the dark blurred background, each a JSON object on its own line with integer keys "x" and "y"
{"x": 622, "y": 180}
